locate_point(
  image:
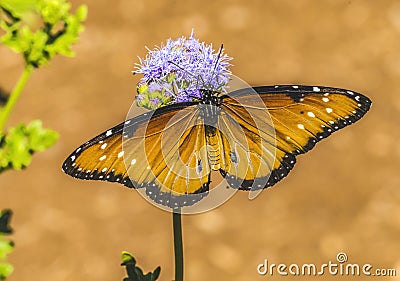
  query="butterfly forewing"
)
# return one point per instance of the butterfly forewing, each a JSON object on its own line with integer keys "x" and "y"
{"x": 301, "y": 116}
{"x": 98, "y": 158}
{"x": 147, "y": 151}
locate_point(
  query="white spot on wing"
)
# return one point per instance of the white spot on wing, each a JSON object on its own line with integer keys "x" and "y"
{"x": 109, "y": 133}
{"x": 120, "y": 154}
{"x": 102, "y": 158}
{"x": 295, "y": 87}
{"x": 300, "y": 126}
{"x": 133, "y": 162}
{"x": 104, "y": 169}
{"x": 329, "y": 110}
{"x": 325, "y": 99}
{"x": 73, "y": 157}
{"x": 103, "y": 146}
{"x": 316, "y": 89}
{"x": 357, "y": 98}
{"x": 310, "y": 114}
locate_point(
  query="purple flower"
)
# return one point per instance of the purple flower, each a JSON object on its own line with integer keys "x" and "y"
{"x": 182, "y": 68}
{"x": 155, "y": 101}
{"x": 140, "y": 98}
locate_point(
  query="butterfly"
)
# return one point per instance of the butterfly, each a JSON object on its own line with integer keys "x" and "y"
{"x": 251, "y": 136}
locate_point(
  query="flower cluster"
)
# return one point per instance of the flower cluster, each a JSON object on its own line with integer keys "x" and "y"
{"x": 179, "y": 71}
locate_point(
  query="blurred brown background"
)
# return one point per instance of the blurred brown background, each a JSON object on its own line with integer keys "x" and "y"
{"x": 344, "y": 196}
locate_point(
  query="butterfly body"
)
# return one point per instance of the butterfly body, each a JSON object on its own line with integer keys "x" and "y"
{"x": 251, "y": 136}
{"x": 210, "y": 109}
{"x": 209, "y": 106}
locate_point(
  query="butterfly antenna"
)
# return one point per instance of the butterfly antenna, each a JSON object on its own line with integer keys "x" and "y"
{"x": 181, "y": 68}
{"x": 191, "y": 74}
{"x": 219, "y": 56}
{"x": 216, "y": 63}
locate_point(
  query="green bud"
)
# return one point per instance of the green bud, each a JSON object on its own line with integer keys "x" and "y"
{"x": 59, "y": 30}
{"x": 142, "y": 89}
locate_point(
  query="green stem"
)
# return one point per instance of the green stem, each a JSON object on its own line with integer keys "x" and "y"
{"x": 178, "y": 245}
{"x": 5, "y": 112}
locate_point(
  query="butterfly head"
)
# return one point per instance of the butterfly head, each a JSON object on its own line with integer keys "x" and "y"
{"x": 210, "y": 97}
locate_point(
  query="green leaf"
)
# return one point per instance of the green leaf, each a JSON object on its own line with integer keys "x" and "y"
{"x": 39, "y": 138}
{"x": 156, "y": 273}
{"x": 3, "y": 96}
{"x": 6, "y": 247}
{"x": 58, "y": 28}
{"x": 18, "y": 7}
{"x": 53, "y": 11}
{"x": 134, "y": 272}
{"x": 21, "y": 142}
{"x": 5, "y": 217}
{"x": 81, "y": 13}
{"x": 128, "y": 259}
{"x": 5, "y": 270}
{"x": 17, "y": 150}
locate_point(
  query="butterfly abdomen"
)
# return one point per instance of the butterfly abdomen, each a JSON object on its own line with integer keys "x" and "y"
{"x": 213, "y": 147}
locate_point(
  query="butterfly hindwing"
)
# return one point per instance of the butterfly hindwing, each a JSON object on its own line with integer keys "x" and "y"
{"x": 249, "y": 146}
{"x": 178, "y": 173}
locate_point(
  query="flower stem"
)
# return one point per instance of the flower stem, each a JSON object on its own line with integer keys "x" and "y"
{"x": 5, "y": 112}
{"x": 178, "y": 245}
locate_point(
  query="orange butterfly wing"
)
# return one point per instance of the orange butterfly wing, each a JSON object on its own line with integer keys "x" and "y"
{"x": 159, "y": 150}
{"x": 301, "y": 116}
{"x": 248, "y": 144}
